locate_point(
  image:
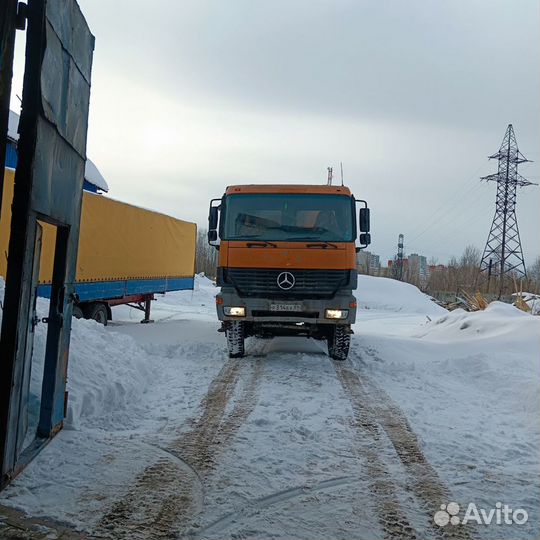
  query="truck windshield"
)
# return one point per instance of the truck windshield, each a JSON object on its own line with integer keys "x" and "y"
{"x": 288, "y": 217}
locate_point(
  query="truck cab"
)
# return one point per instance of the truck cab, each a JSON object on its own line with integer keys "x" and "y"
{"x": 287, "y": 262}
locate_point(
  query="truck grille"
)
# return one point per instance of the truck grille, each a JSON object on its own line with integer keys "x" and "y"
{"x": 307, "y": 283}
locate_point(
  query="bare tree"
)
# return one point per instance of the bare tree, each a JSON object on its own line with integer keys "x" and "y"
{"x": 534, "y": 270}
{"x": 469, "y": 265}
{"x": 206, "y": 258}
{"x": 532, "y": 283}
{"x": 458, "y": 274}
{"x": 471, "y": 257}
{"x": 412, "y": 273}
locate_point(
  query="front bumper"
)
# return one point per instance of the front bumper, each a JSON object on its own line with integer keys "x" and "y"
{"x": 277, "y": 310}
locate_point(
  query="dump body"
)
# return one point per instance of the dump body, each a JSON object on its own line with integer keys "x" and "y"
{"x": 126, "y": 253}
{"x": 287, "y": 259}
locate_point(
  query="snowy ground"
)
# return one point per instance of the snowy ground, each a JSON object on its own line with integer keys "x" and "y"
{"x": 168, "y": 437}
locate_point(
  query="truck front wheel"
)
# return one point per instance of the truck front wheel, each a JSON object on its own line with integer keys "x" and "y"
{"x": 339, "y": 340}
{"x": 234, "y": 330}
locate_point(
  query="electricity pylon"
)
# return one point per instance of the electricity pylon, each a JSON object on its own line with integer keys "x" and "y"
{"x": 503, "y": 254}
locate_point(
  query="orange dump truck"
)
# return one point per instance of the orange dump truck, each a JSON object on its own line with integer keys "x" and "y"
{"x": 287, "y": 262}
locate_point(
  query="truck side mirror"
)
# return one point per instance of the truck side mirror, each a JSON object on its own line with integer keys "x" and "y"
{"x": 213, "y": 218}
{"x": 364, "y": 221}
{"x": 365, "y": 239}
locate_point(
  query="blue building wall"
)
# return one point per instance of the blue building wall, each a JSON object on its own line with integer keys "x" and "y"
{"x": 11, "y": 155}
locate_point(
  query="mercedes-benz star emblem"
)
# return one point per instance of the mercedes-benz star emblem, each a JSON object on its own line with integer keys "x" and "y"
{"x": 285, "y": 281}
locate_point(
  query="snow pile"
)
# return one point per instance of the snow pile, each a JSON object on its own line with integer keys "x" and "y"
{"x": 203, "y": 294}
{"x": 496, "y": 350}
{"x": 108, "y": 373}
{"x": 107, "y": 376}
{"x": 497, "y": 320}
{"x": 506, "y": 345}
{"x": 385, "y": 294}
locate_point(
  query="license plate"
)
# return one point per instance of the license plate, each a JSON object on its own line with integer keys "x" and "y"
{"x": 285, "y": 307}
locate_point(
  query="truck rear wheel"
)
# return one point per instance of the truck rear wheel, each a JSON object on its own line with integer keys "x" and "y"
{"x": 339, "y": 340}
{"x": 97, "y": 312}
{"x": 234, "y": 331}
{"x": 77, "y": 312}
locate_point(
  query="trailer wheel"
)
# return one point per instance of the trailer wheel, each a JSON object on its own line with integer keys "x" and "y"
{"x": 235, "y": 333}
{"x": 339, "y": 340}
{"x": 77, "y": 312}
{"x": 97, "y": 312}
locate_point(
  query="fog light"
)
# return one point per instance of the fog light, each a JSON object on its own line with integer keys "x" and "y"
{"x": 235, "y": 311}
{"x": 336, "y": 313}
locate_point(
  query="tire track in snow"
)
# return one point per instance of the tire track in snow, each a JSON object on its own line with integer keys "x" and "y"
{"x": 215, "y": 428}
{"x": 426, "y": 484}
{"x": 391, "y": 516}
{"x": 161, "y": 493}
{"x": 381, "y": 412}
{"x": 198, "y": 446}
{"x": 162, "y": 502}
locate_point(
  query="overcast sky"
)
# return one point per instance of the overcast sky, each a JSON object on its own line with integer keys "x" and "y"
{"x": 189, "y": 96}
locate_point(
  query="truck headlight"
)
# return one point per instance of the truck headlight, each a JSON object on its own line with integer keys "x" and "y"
{"x": 336, "y": 313}
{"x": 235, "y": 311}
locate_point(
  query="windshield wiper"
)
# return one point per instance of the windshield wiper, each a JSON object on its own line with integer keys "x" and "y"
{"x": 262, "y": 243}
{"x": 319, "y": 243}
{"x": 323, "y": 243}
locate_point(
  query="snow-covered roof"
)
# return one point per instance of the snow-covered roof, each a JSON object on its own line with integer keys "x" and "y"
{"x": 13, "y": 124}
{"x": 91, "y": 172}
{"x": 92, "y": 175}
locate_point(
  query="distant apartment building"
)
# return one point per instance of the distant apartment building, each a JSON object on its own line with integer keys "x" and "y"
{"x": 436, "y": 268}
{"x": 368, "y": 263}
{"x": 418, "y": 265}
{"x": 394, "y": 262}
{"x": 414, "y": 266}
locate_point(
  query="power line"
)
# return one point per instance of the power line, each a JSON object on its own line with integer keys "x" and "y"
{"x": 459, "y": 221}
{"x": 448, "y": 202}
{"x": 454, "y": 211}
{"x": 442, "y": 241}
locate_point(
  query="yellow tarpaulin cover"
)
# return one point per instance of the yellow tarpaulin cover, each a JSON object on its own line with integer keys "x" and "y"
{"x": 117, "y": 241}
